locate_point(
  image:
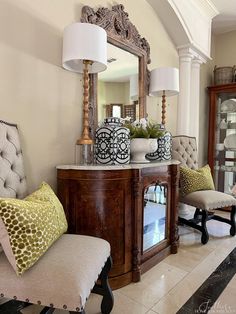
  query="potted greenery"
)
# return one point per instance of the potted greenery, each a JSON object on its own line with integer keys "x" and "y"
{"x": 143, "y": 135}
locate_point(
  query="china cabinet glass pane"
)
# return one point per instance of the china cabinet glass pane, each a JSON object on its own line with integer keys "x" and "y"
{"x": 225, "y": 145}
{"x": 154, "y": 218}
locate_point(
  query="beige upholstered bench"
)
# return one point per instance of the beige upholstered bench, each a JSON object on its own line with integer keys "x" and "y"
{"x": 205, "y": 201}
{"x": 66, "y": 274}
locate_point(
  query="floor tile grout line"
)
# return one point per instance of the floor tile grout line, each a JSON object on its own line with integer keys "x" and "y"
{"x": 135, "y": 301}
{"x": 188, "y": 273}
{"x": 184, "y": 277}
{"x": 150, "y": 308}
{"x": 231, "y": 271}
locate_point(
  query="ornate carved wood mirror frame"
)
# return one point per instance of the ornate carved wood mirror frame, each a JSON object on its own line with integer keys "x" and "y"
{"x": 122, "y": 34}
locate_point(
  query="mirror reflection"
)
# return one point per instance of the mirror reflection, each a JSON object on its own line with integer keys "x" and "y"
{"x": 118, "y": 85}
{"x": 154, "y": 219}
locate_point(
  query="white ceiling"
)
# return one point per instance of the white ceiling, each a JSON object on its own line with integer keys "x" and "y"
{"x": 226, "y": 20}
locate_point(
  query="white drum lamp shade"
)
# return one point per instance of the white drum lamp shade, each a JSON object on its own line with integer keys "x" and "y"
{"x": 133, "y": 87}
{"x": 164, "y": 82}
{"x": 164, "y": 79}
{"x": 84, "y": 41}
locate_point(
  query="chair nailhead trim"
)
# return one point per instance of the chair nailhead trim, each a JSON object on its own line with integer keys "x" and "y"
{"x": 2, "y": 295}
{"x": 39, "y": 302}
{"x": 15, "y": 297}
{"x": 26, "y": 300}
{"x": 51, "y": 305}
{"x": 65, "y": 306}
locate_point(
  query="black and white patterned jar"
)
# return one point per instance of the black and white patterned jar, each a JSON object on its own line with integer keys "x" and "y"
{"x": 112, "y": 143}
{"x": 164, "y": 148}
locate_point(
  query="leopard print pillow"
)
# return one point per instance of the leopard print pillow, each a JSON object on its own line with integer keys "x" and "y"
{"x": 29, "y": 227}
{"x": 195, "y": 180}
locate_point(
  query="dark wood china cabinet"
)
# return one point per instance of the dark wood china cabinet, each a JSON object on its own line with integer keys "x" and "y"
{"x": 222, "y": 136}
{"x": 134, "y": 207}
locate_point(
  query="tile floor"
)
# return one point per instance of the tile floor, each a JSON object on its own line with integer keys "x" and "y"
{"x": 167, "y": 286}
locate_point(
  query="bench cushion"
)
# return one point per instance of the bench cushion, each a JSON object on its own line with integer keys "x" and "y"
{"x": 72, "y": 263}
{"x": 208, "y": 199}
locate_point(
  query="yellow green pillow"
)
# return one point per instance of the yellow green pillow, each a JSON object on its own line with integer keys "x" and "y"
{"x": 29, "y": 227}
{"x": 195, "y": 180}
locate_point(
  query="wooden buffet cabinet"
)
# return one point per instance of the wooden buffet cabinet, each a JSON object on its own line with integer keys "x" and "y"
{"x": 134, "y": 207}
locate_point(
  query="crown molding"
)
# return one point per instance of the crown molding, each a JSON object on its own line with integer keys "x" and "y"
{"x": 208, "y": 7}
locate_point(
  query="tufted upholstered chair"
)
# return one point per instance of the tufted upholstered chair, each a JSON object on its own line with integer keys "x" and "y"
{"x": 12, "y": 177}
{"x": 184, "y": 149}
{"x": 65, "y": 275}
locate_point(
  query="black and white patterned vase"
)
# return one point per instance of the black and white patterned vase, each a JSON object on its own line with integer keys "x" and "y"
{"x": 112, "y": 143}
{"x": 164, "y": 148}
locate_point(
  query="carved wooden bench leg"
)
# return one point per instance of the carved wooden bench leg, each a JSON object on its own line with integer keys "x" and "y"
{"x": 47, "y": 310}
{"x": 13, "y": 307}
{"x": 228, "y": 221}
{"x": 197, "y": 213}
{"x": 104, "y": 289}
{"x": 232, "y": 219}
{"x": 205, "y": 235}
{"x": 200, "y": 216}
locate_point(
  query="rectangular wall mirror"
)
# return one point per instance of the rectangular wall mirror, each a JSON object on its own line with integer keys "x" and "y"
{"x": 114, "y": 91}
{"x": 118, "y": 92}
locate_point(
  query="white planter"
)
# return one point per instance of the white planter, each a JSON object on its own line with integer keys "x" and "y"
{"x": 139, "y": 147}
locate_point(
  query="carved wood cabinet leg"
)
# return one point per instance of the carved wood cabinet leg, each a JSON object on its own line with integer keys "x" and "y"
{"x": 136, "y": 274}
{"x": 174, "y": 232}
{"x": 137, "y": 214}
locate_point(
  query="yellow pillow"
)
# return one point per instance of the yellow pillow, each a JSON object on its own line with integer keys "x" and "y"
{"x": 29, "y": 227}
{"x": 195, "y": 180}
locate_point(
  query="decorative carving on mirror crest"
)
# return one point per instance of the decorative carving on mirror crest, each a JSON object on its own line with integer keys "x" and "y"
{"x": 117, "y": 25}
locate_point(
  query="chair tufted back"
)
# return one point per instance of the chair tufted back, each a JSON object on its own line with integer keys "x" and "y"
{"x": 184, "y": 149}
{"x": 12, "y": 176}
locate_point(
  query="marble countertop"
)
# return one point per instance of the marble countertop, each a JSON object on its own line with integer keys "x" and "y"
{"x": 119, "y": 167}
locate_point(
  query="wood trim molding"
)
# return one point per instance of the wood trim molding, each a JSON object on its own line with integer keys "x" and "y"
{"x": 117, "y": 25}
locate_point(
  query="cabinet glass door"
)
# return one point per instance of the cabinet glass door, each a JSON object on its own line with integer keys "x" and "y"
{"x": 225, "y": 146}
{"x": 154, "y": 215}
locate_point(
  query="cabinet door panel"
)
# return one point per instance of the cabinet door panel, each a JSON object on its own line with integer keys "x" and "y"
{"x": 154, "y": 215}
{"x": 102, "y": 209}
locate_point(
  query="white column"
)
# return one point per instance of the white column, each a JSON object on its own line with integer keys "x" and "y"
{"x": 194, "y": 98}
{"x": 183, "y": 113}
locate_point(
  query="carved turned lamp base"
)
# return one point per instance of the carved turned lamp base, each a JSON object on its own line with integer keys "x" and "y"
{"x": 85, "y": 138}
{"x": 84, "y": 51}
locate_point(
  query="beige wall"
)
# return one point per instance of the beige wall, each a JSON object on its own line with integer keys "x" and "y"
{"x": 41, "y": 97}
{"x": 206, "y": 77}
{"x": 225, "y": 49}
{"x": 163, "y": 54}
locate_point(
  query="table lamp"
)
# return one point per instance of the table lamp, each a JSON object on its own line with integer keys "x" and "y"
{"x": 164, "y": 82}
{"x": 85, "y": 51}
